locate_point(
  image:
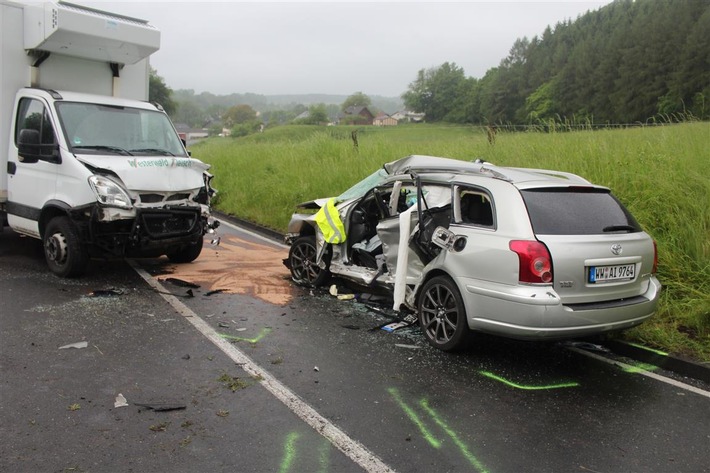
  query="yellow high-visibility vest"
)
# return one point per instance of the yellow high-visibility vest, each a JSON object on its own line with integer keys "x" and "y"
{"x": 328, "y": 220}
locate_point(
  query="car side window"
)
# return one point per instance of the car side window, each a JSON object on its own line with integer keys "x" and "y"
{"x": 34, "y": 126}
{"x": 475, "y": 208}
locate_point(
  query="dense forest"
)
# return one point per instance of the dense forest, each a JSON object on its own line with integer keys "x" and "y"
{"x": 630, "y": 61}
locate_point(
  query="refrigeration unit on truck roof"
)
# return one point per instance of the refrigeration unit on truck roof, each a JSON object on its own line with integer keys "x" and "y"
{"x": 74, "y": 30}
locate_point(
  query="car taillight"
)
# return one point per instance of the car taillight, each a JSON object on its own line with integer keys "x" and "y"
{"x": 655, "y": 258}
{"x": 535, "y": 261}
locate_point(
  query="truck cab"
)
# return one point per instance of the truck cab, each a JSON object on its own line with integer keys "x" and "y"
{"x": 89, "y": 166}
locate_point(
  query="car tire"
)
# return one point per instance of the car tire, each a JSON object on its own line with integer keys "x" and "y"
{"x": 302, "y": 263}
{"x": 188, "y": 253}
{"x": 63, "y": 249}
{"x": 442, "y": 315}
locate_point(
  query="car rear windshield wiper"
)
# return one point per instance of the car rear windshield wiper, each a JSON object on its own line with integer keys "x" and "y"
{"x": 619, "y": 228}
{"x": 164, "y": 152}
{"x": 115, "y": 149}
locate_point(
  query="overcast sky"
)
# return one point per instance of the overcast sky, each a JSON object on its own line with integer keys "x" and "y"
{"x": 333, "y": 47}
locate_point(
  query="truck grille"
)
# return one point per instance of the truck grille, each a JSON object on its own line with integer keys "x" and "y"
{"x": 169, "y": 223}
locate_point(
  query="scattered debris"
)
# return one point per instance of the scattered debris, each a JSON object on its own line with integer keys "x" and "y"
{"x": 120, "y": 401}
{"x": 161, "y": 406}
{"x": 222, "y": 413}
{"x": 586, "y": 346}
{"x": 215, "y": 291}
{"x": 74, "y": 407}
{"x": 75, "y": 345}
{"x": 186, "y": 357}
{"x": 106, "y": 293}
{"x": 315, "y": 368}
{"x": 223, "y": 325}
{"x": 351, "y": 327}
{"x": 240, "y": 329}
{"x": 189, "y": 293}
{"x": 180, "y": 282}
{"x": 233, "y": 382}
{"x": 162, "y": 427}
{"x": 215, "y": 241}
{"x": 346, "y": 297}
{"x": 411, "y": 347}
{"x": 396, "y": 325}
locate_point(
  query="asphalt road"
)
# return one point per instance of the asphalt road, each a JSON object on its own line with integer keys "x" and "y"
{"x": 264, "y": 376}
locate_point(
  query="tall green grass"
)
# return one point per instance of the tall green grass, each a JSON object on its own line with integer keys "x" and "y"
{"x": 660, "y": 173}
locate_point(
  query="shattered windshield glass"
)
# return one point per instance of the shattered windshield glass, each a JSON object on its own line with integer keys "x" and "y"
{"x": 102, "y": 129}
{"x": 359, "y": 189}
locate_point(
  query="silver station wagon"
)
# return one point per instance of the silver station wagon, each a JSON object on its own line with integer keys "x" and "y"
{"x": 521, "y": 253}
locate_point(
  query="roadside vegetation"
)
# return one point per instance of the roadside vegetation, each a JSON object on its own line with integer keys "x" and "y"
{"x": 659, "y": 172}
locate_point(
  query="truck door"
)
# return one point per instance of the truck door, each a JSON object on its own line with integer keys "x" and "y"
{"x": 32, "y": 165}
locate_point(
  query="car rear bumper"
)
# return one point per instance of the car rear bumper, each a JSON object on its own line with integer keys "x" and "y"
{"x": 536, "y": 313}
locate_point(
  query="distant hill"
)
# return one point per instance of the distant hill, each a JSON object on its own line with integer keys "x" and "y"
{"x": 201, "y": 109}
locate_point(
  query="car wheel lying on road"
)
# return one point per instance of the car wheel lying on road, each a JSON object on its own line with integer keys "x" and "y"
{"x": 302, "y": 259}
{"x": 442, "y": 315}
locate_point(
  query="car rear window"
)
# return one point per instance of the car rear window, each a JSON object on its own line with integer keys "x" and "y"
{"x": 577, "y": 211}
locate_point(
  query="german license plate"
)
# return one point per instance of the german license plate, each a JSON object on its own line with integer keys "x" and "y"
{"x": 621, "y": 272}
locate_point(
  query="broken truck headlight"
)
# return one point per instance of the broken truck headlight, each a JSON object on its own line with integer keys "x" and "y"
{"x": 109, "y": 193}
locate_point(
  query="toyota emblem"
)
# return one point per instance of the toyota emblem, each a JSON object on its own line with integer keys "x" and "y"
{"x": 616, "y": 249}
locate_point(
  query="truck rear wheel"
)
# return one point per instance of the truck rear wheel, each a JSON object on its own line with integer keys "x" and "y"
{"x": 63, "y": 249}
{"x": 188, "y": 253}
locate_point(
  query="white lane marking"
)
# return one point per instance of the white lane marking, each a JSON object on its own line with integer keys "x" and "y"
{"x": 641, "y": 371}
{"x": 350, "y": 447}
{"x": 253, "y": 234}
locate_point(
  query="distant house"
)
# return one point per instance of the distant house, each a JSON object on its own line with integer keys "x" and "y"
{"x": 384, "y": 120}
{"x": 408, "y": 116}
{"x": 189, "y": 134}
{"x": 356, "y": 116}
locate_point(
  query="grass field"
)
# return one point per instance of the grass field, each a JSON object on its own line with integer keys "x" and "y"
{"x": 660, "y": 173}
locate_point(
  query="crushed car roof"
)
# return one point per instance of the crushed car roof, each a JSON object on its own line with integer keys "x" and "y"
{"x": 521, "y": 177}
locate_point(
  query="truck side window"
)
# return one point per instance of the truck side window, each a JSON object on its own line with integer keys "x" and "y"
{"x": 33, "y": 123}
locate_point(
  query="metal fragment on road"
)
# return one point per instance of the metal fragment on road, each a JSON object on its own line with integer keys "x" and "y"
{"x": 75, "y": 345}
{"x": 120, "y": 401}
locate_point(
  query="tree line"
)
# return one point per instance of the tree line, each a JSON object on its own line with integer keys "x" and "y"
{"x": 630, "y": 61}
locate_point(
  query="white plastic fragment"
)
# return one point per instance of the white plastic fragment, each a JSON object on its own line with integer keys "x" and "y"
{"x": 75, "y": 345}
{"x": 333, "y": 290}
{"x": 402, "y": 345}
{"x": 315, "y": 368}
{"x": 120, "y": 401}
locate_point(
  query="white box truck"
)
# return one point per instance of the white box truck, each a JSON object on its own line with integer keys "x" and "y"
{"x": 87, "y": 165}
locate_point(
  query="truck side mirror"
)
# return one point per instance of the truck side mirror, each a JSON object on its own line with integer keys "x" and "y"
{"x": 30, "y": 150}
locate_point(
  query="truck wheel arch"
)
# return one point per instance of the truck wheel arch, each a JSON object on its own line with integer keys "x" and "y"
{"x": 53, "y": 208}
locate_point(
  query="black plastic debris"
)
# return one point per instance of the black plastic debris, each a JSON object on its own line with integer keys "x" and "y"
{"x": 161, "y": 406}
{"x": 106, "y": 293}
{"x": 180, "y": 282}
{"x": 215, "y": 291}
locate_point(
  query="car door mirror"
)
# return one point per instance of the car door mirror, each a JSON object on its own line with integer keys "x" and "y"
{"x": 30, "y": 150}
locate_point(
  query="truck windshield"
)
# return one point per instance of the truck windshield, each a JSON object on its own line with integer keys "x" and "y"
{"x": 102, "y": 129}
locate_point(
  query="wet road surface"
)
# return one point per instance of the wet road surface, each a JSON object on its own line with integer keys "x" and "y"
{"x": 498, "y": 406}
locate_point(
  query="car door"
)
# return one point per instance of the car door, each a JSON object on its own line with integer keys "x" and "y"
{"x": 32, "y": 175}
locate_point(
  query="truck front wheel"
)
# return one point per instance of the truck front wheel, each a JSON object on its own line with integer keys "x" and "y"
{"x": 63, "y": 249}
{"x": 188, "y": 253}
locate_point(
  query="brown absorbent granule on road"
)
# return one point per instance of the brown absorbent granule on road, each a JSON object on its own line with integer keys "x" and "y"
{"x": 240, "y": 267}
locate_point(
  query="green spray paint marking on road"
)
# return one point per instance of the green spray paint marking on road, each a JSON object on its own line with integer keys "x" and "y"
{"x": 639, "y": 367}
{"x": 415, "y": 418}
{"x": 652, "y": 350}
{"x": 475, "y": 462}
{"x": 289, "y": 452}
{"x": 488, "y": 374}
{"x": 324, "y": 457}
{"x": 262, "y": 334}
